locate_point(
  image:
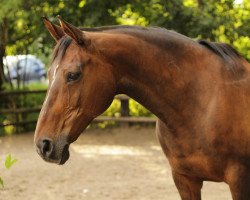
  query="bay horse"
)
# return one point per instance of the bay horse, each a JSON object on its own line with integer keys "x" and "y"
{"x": 199, "y": 91}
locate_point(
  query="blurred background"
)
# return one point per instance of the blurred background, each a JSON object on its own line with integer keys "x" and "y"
{"x": 26, "y": 46}
{"x": 118, "y": 157}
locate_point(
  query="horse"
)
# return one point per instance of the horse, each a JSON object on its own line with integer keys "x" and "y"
{"x": 198, "y": 90}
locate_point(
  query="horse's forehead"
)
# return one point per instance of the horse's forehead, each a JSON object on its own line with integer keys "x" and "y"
{"x": 73, "y": 51}
{"x": 73, "y": 54}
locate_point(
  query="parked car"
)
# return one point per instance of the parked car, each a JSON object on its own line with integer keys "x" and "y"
{"x": 24, "y": 67}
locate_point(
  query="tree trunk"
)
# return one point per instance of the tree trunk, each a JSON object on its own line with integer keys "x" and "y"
{"x": 3, "y": 40}
{"x": 1, "y": 67}
{"x": 200, "y": 3}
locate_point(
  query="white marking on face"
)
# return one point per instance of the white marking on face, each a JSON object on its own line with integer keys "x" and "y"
{"x": 52, "y": 82}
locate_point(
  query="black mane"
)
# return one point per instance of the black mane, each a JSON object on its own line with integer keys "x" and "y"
{"x": 163, "y": 38}
{"x": 112, "y": 27}
{"x": 226, "y": 52}
{"x": 61, "y": 47}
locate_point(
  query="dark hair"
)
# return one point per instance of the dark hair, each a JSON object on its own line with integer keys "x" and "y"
{"x": 61, "y": 47}
{"x": 226, "y": 52}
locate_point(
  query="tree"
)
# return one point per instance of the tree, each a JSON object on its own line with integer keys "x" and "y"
{"x": 7, "y": 7}
{"x": 22, "y": 30}
{"x": 216, "y": 20}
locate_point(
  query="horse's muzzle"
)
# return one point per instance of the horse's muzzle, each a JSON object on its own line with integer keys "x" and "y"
{"x": 55, "y": 152}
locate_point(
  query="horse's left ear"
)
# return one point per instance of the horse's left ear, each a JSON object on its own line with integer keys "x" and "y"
{"x": 55, "y": 31}
{"x": 74, "y": 32}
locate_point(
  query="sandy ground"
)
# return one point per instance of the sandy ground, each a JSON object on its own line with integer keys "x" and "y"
{"x": 114, "y": 164}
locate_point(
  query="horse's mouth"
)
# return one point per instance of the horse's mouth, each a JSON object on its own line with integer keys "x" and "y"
{"x": 65, "y": 155}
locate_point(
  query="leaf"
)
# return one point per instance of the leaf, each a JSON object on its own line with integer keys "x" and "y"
{"x": 1, "y": 182}
{"x": 9, "y": 162}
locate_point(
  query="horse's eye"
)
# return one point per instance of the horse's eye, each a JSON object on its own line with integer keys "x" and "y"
{"x": 72, "y": 76}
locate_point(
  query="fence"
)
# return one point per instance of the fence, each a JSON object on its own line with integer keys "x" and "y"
{"x": 124, "y": 117}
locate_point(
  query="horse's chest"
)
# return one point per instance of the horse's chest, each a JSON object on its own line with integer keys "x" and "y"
{"x": 206, "y": 154}
{"x": 186, "y": 156}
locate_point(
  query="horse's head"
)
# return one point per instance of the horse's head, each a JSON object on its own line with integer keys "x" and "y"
{"x": 81, "y": 86}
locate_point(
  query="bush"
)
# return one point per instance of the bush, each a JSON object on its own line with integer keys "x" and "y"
{"x": 35, "y": 100}
{"x": 137, "y": 110}
{"x": 21, "y": 101}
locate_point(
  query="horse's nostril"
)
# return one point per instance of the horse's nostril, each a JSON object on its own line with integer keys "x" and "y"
{"x": 46, "y": 147}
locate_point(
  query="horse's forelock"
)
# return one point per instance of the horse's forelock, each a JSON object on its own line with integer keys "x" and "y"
{"x": 61, "y": 47}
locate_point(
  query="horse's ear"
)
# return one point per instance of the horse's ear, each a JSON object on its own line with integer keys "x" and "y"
{"x": 74, "y": 32}
{"x": 55, "y": 31}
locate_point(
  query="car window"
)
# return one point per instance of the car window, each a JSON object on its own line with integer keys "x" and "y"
{"x": 22, "y": 64}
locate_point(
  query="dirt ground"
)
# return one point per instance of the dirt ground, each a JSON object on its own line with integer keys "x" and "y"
{"x": 112, "y": 164}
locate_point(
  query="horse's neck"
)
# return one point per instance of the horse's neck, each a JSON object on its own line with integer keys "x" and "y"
{"x": 159, "y": 79}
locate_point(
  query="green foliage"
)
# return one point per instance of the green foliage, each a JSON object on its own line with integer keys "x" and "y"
{"x": 125, "y": 15}
{"x": 21, "y": 101}
{"x": 8, "y": 130}
{"x": 9, "y": 162}
{"x": 137, "y": 109}
{"x": 114, "y": 109}
{"x": 216, "y": 20}
{"x": 220, "y": 20}
{"x": 7, "y": 7}
{"x": 1, "y": 182}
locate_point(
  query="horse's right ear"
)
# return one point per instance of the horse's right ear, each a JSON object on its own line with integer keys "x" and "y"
{"x": 55, "y": 31}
